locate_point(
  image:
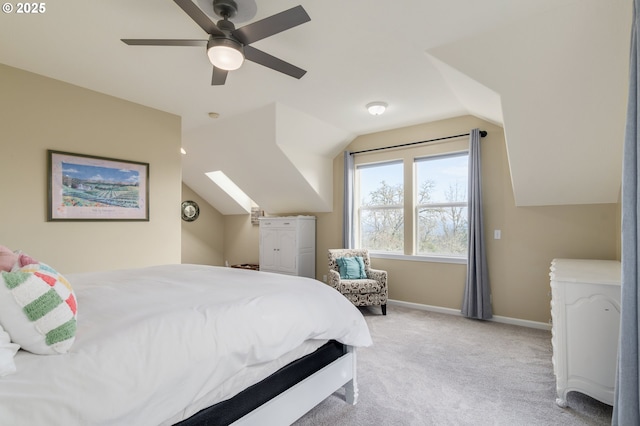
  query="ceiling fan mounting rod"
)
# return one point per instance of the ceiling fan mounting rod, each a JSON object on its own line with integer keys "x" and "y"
{"x": 226, "y": 27}
{"x": 225, "y": 9}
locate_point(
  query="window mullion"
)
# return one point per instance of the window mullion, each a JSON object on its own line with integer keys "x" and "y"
{"x": 409, "y": 218}
{"x": 382, "y": 207}
{"x": 436, "y": 205}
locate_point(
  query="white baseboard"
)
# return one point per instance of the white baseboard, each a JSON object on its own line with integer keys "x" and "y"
{"x": 450, "y": 311}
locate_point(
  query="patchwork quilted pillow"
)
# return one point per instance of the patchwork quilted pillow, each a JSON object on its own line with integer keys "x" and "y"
{"x": 38, "y": 309}
{"x": 351, "y": 268}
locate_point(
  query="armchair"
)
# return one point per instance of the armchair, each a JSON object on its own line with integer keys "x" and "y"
{"x": 369, "y": 291}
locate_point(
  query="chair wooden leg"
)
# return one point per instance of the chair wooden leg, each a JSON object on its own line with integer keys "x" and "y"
{"x": 384, "y": 309}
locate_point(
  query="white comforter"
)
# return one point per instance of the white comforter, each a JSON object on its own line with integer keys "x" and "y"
{"x": 154, "y": 343}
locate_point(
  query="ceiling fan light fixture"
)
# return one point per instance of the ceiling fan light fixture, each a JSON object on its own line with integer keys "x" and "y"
{"x": 225, "y": 53}
{"x": 376, "y": 108}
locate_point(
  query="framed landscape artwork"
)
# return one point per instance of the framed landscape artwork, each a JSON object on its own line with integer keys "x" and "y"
{"x": 85, "y": 187}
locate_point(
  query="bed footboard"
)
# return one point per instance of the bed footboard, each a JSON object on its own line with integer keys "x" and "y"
{"x": 288, "y": 394}
{"x": 293, "y": 403}
{"x": 351, "y": 387}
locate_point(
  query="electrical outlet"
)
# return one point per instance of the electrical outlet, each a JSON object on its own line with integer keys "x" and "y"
{"x": 497, "y": 234}
{"x": 324, "y": 278}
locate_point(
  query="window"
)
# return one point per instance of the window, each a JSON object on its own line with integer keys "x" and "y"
{"x": 380, "y": 206}
{"x": 441, "y": 205}
{"x": 414, "y": 206}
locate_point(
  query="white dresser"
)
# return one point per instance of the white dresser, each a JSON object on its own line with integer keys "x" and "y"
{"x": 585, "y": 311}
{"x": 288, "y": 245}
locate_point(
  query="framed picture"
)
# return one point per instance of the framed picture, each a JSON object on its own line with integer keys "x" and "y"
{"x": 85, "y": 187}
{"x": 256, "y": 213}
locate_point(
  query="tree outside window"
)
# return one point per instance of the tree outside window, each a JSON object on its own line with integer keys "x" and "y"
{"x": 381, "y": 206}
{"x": 440, "y": 202}
{"x": 441, "y": 205}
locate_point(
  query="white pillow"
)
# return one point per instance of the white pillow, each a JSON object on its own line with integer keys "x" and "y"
{"x": 7, "y": 352}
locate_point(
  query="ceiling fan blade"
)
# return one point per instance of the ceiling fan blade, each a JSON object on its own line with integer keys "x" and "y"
{"x": 269, "y": 61}
{"x": 163, "y": 42}
{"x": 198, "y": 16}
{"x": 272, "y": 25}
{"x": 218, "y": 77}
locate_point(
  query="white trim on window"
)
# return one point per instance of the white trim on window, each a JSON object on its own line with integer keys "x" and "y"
{"x": 416, "y": 258}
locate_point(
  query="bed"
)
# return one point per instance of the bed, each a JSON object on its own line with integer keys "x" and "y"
{"x": 190, "y": 345}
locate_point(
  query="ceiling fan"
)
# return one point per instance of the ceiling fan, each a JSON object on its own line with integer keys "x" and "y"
{"x": 228, "y": 47}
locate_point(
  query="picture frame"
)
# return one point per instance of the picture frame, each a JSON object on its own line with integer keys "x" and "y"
{"x": 91, "y": 188}
{"x": 256, "y": 214}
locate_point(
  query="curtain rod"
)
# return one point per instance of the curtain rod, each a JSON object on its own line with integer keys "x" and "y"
{"x": 483, "y": 133}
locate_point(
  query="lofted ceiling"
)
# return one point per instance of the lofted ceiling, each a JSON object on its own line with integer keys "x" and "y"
{"x": 553, "y": 73}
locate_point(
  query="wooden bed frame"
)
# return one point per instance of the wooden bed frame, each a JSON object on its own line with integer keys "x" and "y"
{"x": 288, "y": 394}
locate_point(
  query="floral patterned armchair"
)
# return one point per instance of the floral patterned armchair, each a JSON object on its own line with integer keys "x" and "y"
{"x": 370, "y": 291}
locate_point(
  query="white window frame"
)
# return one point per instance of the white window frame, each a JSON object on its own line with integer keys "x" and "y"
{"x": 358, "y": 208}
{"x": 407, "y": 157}
{"x": 417, "y": 206}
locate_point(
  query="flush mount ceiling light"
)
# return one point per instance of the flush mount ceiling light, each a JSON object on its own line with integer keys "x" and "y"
{"x": 225, "y": 53}
{"x": 376, "y": 108}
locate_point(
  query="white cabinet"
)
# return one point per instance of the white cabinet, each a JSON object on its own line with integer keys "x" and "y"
{"x": 288, "y": 245}
{"x": 585, "y": 313}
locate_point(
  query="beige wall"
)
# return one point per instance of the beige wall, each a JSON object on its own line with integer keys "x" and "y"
{"x": 214, "y": 239}
{"x": 203, "y": 238}
{"x": 241, "y": 240}
{"x": 518, "y": 263}
{"x": 38, "y": 113}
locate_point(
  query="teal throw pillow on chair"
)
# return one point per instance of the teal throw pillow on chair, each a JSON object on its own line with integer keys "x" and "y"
{"x": 351, "y": 268}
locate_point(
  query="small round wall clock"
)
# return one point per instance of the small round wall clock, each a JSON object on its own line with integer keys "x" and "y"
{"x": 190, "y": 211}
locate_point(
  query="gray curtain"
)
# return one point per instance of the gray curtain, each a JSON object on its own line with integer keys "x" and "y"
{"x": 347, "y": 218}
{"x": 626, "y": 409}
{"x": 477, "y": 293}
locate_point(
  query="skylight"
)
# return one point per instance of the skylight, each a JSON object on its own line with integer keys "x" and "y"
{"x": 227, "y": 185}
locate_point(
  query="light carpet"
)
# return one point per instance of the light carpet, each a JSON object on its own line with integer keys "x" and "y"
{"x": 427, "y": 368}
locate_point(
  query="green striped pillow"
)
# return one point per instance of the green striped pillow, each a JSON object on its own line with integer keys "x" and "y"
{"x": 38, "y": 309}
